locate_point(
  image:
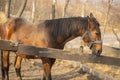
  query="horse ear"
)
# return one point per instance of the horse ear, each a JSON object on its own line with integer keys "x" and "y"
{"x": 89, "y": 19}
{"x": 91, "y": 15}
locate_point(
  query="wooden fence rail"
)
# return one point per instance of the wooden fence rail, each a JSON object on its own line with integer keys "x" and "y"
{"x": 60, "y": 54}
{"x": 66, "y": 55}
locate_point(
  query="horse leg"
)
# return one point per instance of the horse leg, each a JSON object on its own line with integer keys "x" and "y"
{"x": 5, "y": 65}
{"x": 17, "y": 65}
{"x": 47, "y": 65}
{"x": 2, "y": 69}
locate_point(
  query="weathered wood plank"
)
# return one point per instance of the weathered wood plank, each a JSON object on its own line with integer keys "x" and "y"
{"x": 7, "y": 45}
{"x": 59, "y": 54}
{"x": 66, "y": 55}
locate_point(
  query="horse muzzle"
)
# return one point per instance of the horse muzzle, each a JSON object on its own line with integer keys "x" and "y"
{"x": 96, "y": 52}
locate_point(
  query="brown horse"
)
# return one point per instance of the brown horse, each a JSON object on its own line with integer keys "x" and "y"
{"x": 49, "y": 33}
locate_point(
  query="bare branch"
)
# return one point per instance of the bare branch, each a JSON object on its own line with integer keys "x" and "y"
{"x": 115, "y": 33}
{"x": 19, "y": 13}
{"x": 107, "y": 14}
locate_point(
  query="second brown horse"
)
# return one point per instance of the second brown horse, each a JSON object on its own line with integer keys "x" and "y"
{"x": 49, "y": 33}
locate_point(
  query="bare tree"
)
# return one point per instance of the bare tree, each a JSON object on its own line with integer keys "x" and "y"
{"x": 7, "y": 8}
{"x": 83, "y": 9}
{"x": 115, "y": 33}
{"x": 65, "y": 8}
{"x": 53, "y": 8}
{"x": 106, "y": 22}
{"x": 107, "y": 14}
{"x": 33, "y": 10}
{"x": 2, "y": 5}
{"x": 20, "y": 11}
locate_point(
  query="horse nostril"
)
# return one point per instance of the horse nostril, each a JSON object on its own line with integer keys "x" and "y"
{"x": 96, "y": 52}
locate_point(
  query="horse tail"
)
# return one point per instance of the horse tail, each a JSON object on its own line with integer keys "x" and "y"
{"x": 7, "y": 29}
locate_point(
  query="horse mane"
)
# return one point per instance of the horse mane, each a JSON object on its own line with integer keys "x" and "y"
{"x": 20, "y": 20}
{"x": 66, "y": 26}
{"x": 95, "y": 21}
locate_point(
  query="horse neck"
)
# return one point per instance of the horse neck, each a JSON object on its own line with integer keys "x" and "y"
{"x": 71, "y": 37}
{"x": 80, "y": 33}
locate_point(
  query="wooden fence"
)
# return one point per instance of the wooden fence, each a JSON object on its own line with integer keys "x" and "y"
{"x": 66, "y": 55}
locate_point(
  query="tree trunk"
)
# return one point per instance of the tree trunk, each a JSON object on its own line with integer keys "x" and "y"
{"x": 33, "y": 10}
{"x": 53, "y": 8}
{"x": 19, "y": 13}
{"x": 2, "y": 5}
{"x": 115, "y": 33}
{"x": 107, "y": 14}
{"x": 7, "y": 8}
{"x": 65, "y": 8}
{"x": 83, "y": 9}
